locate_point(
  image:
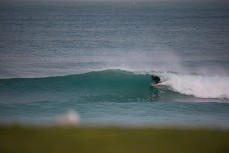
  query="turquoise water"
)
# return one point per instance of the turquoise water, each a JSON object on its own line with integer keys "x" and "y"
{"x": 93, "y": 61}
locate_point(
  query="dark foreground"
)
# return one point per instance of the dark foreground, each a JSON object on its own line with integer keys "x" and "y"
{"x": 112, "y": 140}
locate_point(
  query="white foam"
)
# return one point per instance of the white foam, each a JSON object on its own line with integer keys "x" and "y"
{"x": 199, "y": 86}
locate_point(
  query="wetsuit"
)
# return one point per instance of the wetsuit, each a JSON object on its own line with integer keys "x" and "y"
{"x": 156, "y": 79}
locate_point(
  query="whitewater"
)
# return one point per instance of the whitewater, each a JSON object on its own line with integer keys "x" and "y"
{"x": 198, "y": 85}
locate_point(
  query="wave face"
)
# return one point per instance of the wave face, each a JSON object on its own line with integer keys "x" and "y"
{"x": 108, "y": 85}
{"x": 114, "y": 85}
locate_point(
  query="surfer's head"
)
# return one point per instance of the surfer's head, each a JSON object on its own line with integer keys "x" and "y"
{"x": 156, "y": 79}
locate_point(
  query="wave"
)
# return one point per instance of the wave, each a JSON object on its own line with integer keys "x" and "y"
{"x": 114, "y": 85}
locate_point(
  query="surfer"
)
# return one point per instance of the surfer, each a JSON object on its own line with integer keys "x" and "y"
{"x": 156, "y": 79}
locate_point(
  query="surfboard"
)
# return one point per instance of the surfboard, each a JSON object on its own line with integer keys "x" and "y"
{"x": 157, "y": 84}
{"x": 154, "y": 85}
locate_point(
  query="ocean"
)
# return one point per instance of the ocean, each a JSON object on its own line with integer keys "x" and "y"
{"x": 91, "y": 63}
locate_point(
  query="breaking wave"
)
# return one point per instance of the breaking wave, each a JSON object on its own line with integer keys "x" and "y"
{"x": 114, "y": 85}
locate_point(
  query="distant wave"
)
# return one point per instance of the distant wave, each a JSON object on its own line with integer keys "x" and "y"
{"x": 113, "y": 85}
